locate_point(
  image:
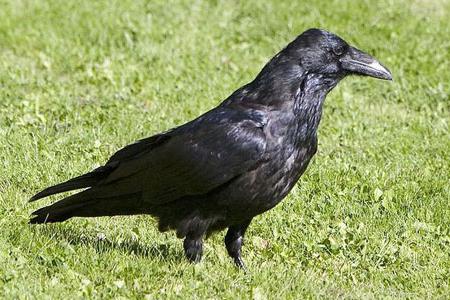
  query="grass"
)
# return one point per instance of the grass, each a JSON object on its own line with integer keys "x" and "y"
{"x": 369, "y": 219}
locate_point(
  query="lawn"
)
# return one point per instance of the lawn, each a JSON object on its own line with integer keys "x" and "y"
{"x": 369, "y": 219}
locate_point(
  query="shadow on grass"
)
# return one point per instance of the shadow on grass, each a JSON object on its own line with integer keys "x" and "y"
{"x": 101, "y": 244}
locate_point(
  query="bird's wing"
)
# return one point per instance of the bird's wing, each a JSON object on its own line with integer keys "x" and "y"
{"x": 190, "y": 160}
{"x": 138, "y": 148}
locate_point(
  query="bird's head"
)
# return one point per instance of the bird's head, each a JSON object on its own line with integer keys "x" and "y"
{"x": 321, "y": 52}
{"x": 315, "y": 61}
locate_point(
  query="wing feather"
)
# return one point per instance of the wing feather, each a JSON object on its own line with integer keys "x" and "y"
{"x": 192, "y": 159}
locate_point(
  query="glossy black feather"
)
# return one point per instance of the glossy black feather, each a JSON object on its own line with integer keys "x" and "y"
{"x": 234, "y": 162}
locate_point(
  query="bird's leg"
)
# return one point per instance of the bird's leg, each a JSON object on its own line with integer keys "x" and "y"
{"x": 193, "y": 248}
{"x": 234, "y": 240}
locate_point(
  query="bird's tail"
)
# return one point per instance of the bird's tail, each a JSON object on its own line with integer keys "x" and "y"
{"x": 87, "y": 180}
{"x": 87, "y": 204}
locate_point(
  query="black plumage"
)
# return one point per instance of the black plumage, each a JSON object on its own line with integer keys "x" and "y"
{"x": 232, "y": 163}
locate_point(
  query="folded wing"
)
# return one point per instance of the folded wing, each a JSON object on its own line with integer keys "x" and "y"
{"x": 190, "y": 160}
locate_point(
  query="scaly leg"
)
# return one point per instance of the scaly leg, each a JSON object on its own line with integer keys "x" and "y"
{"x": 234, "y": 240}
{"x": 193, "y": 248}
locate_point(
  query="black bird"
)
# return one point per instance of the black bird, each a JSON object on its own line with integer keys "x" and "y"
{"x": 232, "y": 163}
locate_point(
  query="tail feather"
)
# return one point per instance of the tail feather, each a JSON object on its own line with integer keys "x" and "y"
{"x": 86, "y": 204}
{"x": 87, "y": 180}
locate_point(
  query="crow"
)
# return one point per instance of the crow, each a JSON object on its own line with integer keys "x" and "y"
{"x": 232, "y": 163}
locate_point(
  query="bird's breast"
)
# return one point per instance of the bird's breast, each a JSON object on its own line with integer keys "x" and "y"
{"x": 287, "y": 156}
{"x": 290, "y": 144}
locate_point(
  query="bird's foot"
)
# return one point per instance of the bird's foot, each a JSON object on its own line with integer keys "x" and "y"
{"x": 193, "y": 249}
{"x": 240, "y": 263}
{"x": 233, "y": 242}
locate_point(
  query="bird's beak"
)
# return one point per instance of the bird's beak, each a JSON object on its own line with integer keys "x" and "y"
{"x": 358, "y": 62}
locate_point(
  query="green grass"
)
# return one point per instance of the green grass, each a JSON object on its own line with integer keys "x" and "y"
{"x": 369, "y": 219}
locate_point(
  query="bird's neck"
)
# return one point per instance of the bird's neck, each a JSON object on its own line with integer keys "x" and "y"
{"x": 291, "y": 89}
{"x": 294, "y": 101}
{"x": 309, "y": 98}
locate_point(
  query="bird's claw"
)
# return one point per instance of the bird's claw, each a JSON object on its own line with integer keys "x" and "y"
{"x": 240, "y": 264}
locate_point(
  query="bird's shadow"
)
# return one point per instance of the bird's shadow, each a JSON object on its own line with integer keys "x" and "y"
{"x": 102, "y": 244}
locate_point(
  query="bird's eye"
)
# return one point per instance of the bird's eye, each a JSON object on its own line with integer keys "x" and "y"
{"x": 338, "y": 50}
